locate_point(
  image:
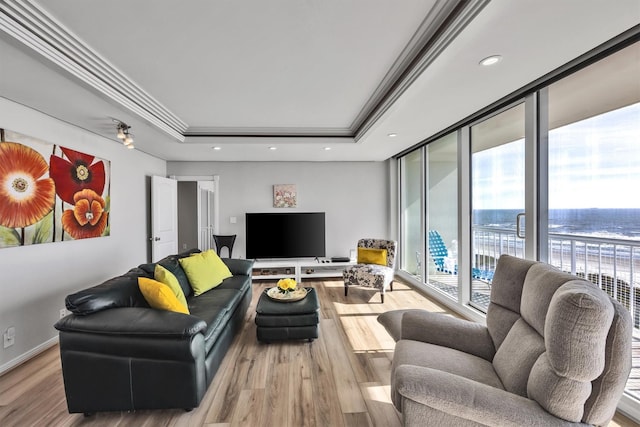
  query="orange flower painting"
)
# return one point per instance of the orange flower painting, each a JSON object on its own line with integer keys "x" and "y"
{"x": 75, "y": 174}
{"x": 26, "y": 194}
{"x": 87, "y": 218}
{"x": 65, "y": 199}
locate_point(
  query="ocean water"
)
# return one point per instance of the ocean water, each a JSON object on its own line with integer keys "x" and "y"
{"x": 606, "y": 223}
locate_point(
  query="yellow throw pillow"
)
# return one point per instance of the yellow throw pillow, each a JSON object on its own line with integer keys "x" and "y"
{"x": 205, "y": 271}
{"x": 160, "y": 296}
{"x": 372, "y": 256}
{"x": 163, "y": 275}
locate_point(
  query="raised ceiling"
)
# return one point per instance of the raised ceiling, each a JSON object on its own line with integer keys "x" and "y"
{"x": 296, "y": 75}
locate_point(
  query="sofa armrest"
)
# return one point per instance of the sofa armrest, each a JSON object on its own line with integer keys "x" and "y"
{"x": 239, "y": 267}
{"x": 134, "y": 321}
{"x": 440, "y": 329}
{"x": 442, "y": 392}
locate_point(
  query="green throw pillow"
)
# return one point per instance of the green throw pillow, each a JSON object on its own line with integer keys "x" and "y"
{"x": 205, "y": 271}
{"x": 160, "y": 296}
{"x": 163, "y": 275}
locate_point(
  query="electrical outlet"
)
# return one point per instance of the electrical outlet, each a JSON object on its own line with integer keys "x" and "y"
{"x": 63, "y": 312}
{"x": 184, "y": 246}
{"x": 9, "y": 336}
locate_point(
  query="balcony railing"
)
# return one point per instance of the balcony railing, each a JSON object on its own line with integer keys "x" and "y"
{"x": 612, "y": 264}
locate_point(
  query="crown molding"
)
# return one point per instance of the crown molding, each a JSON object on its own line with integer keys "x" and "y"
{"x": 265, "y": 139}
{"x": 268, "y": 131}
{"x": 446, "y": 24}
{"x": 28, "y": 23}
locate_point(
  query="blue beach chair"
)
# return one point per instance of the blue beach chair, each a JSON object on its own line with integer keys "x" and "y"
{"x": 438, "y": 251}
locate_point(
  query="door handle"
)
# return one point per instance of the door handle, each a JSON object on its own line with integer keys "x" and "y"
{"x": 154, "y": 239}
{"x": 518, "y": 228}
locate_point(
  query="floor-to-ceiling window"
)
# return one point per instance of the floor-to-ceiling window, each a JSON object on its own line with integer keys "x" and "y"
{"x": 594, "y": 177}
{"x": 498, "y": 196}
{"x": 411, "y": 213}
{"x": 581, "y": 133}
{"x": 442, "y": 214}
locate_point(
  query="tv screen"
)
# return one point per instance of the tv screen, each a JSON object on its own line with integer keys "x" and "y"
{"x": 285, "y": 235}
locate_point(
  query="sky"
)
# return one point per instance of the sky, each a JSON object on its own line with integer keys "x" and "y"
{"x": 593, "y": 163}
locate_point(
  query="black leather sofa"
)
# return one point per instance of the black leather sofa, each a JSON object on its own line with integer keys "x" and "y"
{"x": 118, "y": 354}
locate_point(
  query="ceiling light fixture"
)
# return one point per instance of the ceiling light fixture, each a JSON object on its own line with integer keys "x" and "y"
{"x": 124, "y": 135}
{"x": 490, "y": 60}
{"x": 327, "y": 148}
{"x": 273, "y": 148}
{"x": 392, "y": 135}
{"x": 217, "y": 148}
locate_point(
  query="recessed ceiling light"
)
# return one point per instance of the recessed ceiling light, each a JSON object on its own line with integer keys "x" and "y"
{"x": 273, "y": 148}
{"x": 217, "y": 148}
{"x": 491, "y": 60}
{"x": 392, "y": 135}
{"x": 327, "y": 148}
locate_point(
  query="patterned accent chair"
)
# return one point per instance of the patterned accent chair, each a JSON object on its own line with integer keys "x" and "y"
{"x": 372, "y": 275}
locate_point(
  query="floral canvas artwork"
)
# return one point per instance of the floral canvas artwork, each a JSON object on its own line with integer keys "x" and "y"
{"x": 50, "y": 193}
{"x": 284, "y": 196}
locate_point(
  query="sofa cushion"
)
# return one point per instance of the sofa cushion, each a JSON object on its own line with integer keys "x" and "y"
{"x": 225, "y": 298}
{"x": 160, "y": 296}
{"x": 237, "y": 283}
{"x": 215, "y": 307}
{"x": 216, "y": 319}
{"x": 238, "y": 267}
{"x": 204, "y": 270}
{"x": 120, "y": 291}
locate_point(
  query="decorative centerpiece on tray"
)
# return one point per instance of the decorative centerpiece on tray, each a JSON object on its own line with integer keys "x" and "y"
{"x": 287, "y": 291}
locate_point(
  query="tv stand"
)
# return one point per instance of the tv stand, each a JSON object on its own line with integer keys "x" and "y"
{"x": 298, "y": 269}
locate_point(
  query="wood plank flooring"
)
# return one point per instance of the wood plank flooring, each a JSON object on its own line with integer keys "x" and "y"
{"x": 341, "y": 379}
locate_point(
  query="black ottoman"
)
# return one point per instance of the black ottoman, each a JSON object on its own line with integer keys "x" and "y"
{"x": 287, "y": 320}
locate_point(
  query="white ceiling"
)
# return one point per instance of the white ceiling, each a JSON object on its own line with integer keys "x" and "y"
{"x": 296, "y": 75}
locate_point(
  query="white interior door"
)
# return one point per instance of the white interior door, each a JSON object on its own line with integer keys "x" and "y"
{"x": 164, "y": 217}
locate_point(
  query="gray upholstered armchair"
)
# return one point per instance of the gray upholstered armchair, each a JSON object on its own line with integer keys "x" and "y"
{"x": 556, "y": 350}
{"x": 375, "y": 267}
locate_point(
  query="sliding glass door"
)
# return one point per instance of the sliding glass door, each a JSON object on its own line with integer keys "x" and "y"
{"x": 442, "y": 214}
{"x": 498, "y": 196}
{"x": 411, "y": 214}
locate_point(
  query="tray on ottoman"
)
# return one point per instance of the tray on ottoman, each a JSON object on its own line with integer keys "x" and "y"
{"x": 297, "y": 320}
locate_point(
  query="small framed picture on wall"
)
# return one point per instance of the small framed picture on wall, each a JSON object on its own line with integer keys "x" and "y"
{"x": 285, "y": 196}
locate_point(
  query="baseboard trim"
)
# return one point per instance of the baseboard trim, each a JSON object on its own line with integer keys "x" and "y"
{"x": 28, "y": 355}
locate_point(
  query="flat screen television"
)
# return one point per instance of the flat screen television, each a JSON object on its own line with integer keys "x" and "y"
{"x": 285, "y": 235}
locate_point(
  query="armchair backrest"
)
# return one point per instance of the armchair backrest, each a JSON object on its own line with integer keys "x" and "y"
{"x": 389, "y": 245}
{"x": 559, "y": 340}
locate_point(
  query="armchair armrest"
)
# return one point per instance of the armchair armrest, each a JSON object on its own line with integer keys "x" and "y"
{"x": 439, "y": 329}
{"x": 239, "y": 267}
{"x": 461, "y": 397}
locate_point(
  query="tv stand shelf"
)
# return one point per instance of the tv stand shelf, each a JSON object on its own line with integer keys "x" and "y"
{"x": 297, "y": 269}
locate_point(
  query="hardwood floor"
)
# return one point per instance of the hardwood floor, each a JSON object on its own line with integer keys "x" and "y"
{"x": 341, "y": 379}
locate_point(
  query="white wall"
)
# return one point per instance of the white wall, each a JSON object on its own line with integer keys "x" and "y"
{"x": 35, "y": 279}
{"x": 354, "y": 195}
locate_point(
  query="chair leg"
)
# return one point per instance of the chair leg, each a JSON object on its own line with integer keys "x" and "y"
{"x": 346, "y": 290}
{"x": 391, "y": 286}
{"x": 382, "y": 297}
